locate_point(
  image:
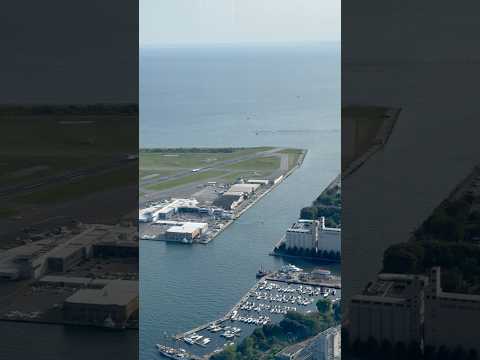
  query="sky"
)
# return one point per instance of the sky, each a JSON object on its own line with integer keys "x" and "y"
{"x": 185, "y": 22}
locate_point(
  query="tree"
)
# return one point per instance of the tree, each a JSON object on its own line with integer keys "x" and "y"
{"x": 227, "y": 354}
{"x": 308, "y": 213}
{"x": 337, "y": 311}
{"x": 324, "y": 306}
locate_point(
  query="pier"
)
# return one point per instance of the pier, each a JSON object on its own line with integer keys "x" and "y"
{"x": 267, "y": 301}
{"x": 226, "y": 317}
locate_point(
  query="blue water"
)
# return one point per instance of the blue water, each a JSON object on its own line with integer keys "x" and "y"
{"x": 233, "y": 96}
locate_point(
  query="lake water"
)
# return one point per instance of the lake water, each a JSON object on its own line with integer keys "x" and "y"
{"x": 227, "y": 96}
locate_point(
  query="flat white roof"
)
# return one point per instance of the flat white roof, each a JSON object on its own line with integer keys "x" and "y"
{"x": 116, "y": 292}
{"x": 244, "y": 187}
{"x": 187, "y": 227}
{"x": 234, "y": 193}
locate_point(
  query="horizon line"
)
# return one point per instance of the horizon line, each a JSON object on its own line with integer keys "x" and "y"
{"x": 236, "y": 43}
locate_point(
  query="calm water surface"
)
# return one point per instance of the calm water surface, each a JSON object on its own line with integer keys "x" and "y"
{"x": 286, "y": 96}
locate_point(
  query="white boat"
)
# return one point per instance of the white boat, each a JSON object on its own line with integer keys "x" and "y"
{"x": 188, "y": 340}
{"x": 172, "y": 353}
{"x": 205, "y": 341}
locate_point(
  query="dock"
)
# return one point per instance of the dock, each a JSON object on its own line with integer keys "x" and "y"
{"x": 224, "y": 318}
{"x": 334, "y": 283}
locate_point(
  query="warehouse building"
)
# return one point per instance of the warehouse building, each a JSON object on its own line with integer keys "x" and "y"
{"x": 116, "y": 248}
{"x": 110, "y": 306}
{"x": 391, "y": 308}
{"x": 324, "y": 346}
{"x": 302, "y": 235}
{"x": 26, "y": 261}
{"x": 165, "y": 212}
{"x": 451, "y": 319}
{"x": 147, "y": 214}
{"x": 244, "y": 188}
{"x": 65, "y": 257}
{"x": 186, "y": 232}
{"x": 329, "y": 239}
{"x": 258, "y": 181}
{"x": 405, "y": 308}
{"x": 229, "y": 202}
{"x": 81, "y": 247}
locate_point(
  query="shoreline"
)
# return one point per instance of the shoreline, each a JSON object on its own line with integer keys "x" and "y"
{"x": 68, "y": 323}
{"x": 336, "y": 181}
{"x": 266, "y": 192}
{"x": 319, "y": 260}
{"x": 299, "y": 163}
{"x": 332, "y": 284}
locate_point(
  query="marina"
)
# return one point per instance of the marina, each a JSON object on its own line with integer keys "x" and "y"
{"x": 271, "y": 297}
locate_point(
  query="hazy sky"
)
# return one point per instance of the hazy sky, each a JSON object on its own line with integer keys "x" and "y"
{"x": 169, "y": 22}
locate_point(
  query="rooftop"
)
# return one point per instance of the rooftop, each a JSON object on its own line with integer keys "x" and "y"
{"x": 393, "y": 286}
{"x": 116, "y": 292}
{"x": 187, "y": 227}
{"x": 302, "y": 226}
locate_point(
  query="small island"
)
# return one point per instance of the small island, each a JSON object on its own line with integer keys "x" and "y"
{"x": 190, "y": 195}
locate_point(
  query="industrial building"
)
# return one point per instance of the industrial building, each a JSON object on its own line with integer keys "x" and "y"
{"x": 65, "y": 257}
{"x": 329, "y": 239}
{"x": 116, "y": 248}
{"x": 73, "y": 281}
{"x": 302, "y": 235}
{"x": 313, "y": 234}
{"x": 164, "y": 212}
{"x": 404, "y": 308}
{"x": 26, "y": 261}
{"x": 224, "y": 214}
{"x": 147, "y": 214}
{"x": 98, "y": 240}
{"x": 451, "y": 319}
{"x": 391, "y": 308}
{"x": 35, "y": 259}
{"x": 324, "y": 346}
{"x": 229, "y": 202}
{"x": 110, "y": 306}
{"x": 186, "y": 232}
{"x": 258, "y": 181}
{"x": 235, "y": 193}
{"x": 244, "y": 188}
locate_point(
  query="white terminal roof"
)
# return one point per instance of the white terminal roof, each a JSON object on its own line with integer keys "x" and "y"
{"x": 187, "y": 227}
{"x": 116, "y": 292}
{"x": 258, "y": 181}
{"x": 234, "y": 193}
{"x": 244, "y": 188}
{"x": 176, "y": 203}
